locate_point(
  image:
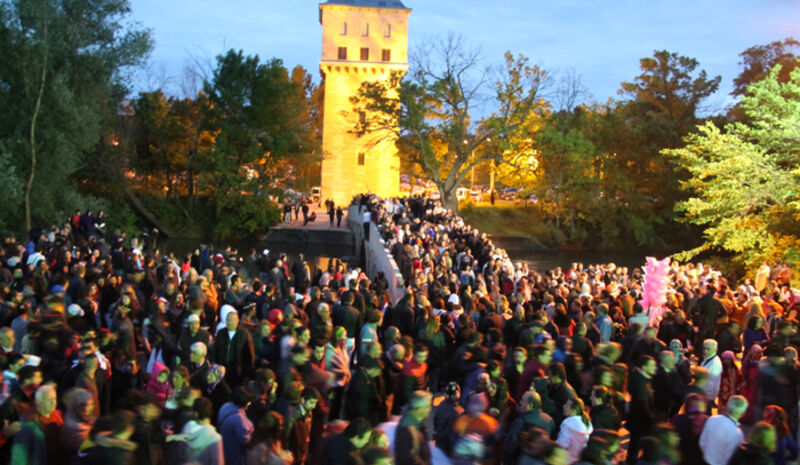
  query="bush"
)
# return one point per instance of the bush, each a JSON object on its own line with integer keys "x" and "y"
{"x": 245, "y": 215}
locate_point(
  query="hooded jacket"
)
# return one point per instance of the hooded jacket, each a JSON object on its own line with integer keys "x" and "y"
{"x": 160, "y": 390}
{"x": 204, "y": 444}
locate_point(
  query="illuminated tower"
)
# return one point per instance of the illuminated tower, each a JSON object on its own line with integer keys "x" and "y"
{"x": 362, "y": 40}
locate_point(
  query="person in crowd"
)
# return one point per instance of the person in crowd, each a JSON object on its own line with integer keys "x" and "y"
{"x": 689, "y": 426}
{"x": 576, "y": 428}
{"x": 266, "y": 444}
{"x": 78, "y": 422}
{"x": 730, "y": 381}
{"x": 756, "y": 451}
{"x": 602, "y": 413}
{"x": 110, "y": 440}
{"x": 410, "y": 445}
{"x": 641, "y": 417}
{"x": 713, "y": 365}
{"x": 235, "y": 428}
{"x": 785, "y": 450}
{"x": 38, "y": 442}
{"x": 531, "y": 415}
{"x": 233, "y": 348}
{"x": 344, "y": 448}
{"x": 203, "y": 442}
{"x": 722, "y": 434}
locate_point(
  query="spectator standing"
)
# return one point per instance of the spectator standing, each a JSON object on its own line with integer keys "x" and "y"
{"x": 721, "y": 434}
{"x": 235, "y": 428}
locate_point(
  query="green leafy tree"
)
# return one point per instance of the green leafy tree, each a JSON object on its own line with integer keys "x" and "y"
{"x": 258, "y": 118}
{"x": 60, "y": 79}
{"x": 12, "y": 189}
{"x": 162, "y": 140}
{"x": 743, "y": 185}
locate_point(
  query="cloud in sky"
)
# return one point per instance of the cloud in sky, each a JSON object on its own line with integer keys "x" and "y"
{"x": 601, "y": 40}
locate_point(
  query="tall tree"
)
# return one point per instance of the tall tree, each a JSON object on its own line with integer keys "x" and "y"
{"x": 63, "y": 66}
{"x": 758, "y": 60}
{"x": 670, "y": 92}
{"x": 661, "y": 106}
{"x": 743, "y": 183}
{"x": 431, "y": 112}
{"x": 257, "y": 116}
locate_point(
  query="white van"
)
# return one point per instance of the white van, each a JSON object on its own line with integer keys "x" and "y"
{"x": 316, "y": 193}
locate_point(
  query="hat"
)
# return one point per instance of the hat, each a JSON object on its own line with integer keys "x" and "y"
{"x": 275, "y": 316}
{"x": 75, "y": 310}
{"x": 161, "y": 300}
{"x": 57, "y": 289}
{"x": 265, "y": 252}
{"x": 13, "y": 261}
{"x": 453, "y": 299}
{"x": 136, "y": 251}
{"x": 193, "y": 318}
{"x": 225, "y": 311}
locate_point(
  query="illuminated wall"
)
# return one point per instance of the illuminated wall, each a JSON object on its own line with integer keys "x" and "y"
{"x": 361, "y": 40}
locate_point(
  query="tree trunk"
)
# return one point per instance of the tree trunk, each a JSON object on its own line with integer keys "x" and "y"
{"x": 449, "y": 200}
{"x": 168, "y": 175}
{"x": 37, "y": 108}
{"x": 190, "y": 187}
{"x": 139, "y": 206}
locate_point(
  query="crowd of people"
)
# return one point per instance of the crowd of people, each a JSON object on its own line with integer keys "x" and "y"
{"x": 114, "y": 353}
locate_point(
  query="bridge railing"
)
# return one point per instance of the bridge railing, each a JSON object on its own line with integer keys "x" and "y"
{"x": 376, "y": 255}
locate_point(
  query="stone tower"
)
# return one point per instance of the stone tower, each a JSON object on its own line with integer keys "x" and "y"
{"x": 362, "y": 40}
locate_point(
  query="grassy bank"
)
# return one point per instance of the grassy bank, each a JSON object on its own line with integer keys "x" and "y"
{"x": 512, "y": 220}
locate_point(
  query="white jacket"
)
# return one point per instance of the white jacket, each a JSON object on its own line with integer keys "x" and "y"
{"x": 573, "y": 436}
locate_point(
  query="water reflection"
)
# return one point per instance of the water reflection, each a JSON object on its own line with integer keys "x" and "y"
{"x": 524, "y": 250}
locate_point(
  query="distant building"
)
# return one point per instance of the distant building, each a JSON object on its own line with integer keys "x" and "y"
{"x": 362, "y": 40}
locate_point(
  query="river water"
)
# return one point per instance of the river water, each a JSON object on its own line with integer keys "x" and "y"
{"x": 524, "y": 250}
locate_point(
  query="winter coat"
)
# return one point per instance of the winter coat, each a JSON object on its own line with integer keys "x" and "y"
{"x": 236, "y": 430}
{"x": 204, "y": 444}
{"x": 158, "y": 389}
{"x": 573, "y": 436}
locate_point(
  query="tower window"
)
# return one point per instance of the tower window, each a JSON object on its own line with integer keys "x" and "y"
{"x": 387, "y": 32}
{"x": 344, "y": 29}
{"x": 386, "y": 55}
{"x": 364, "y": 54}
{"x": 361, "y": 157}
{"x": 365, "y": 32}
{"x": 342, "y": 53}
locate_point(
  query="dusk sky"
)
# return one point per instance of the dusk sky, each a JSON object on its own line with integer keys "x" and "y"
{"x": 601, "y": 41}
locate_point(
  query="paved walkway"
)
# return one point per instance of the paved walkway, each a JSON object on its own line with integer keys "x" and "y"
{"x": 322, "y": 222}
